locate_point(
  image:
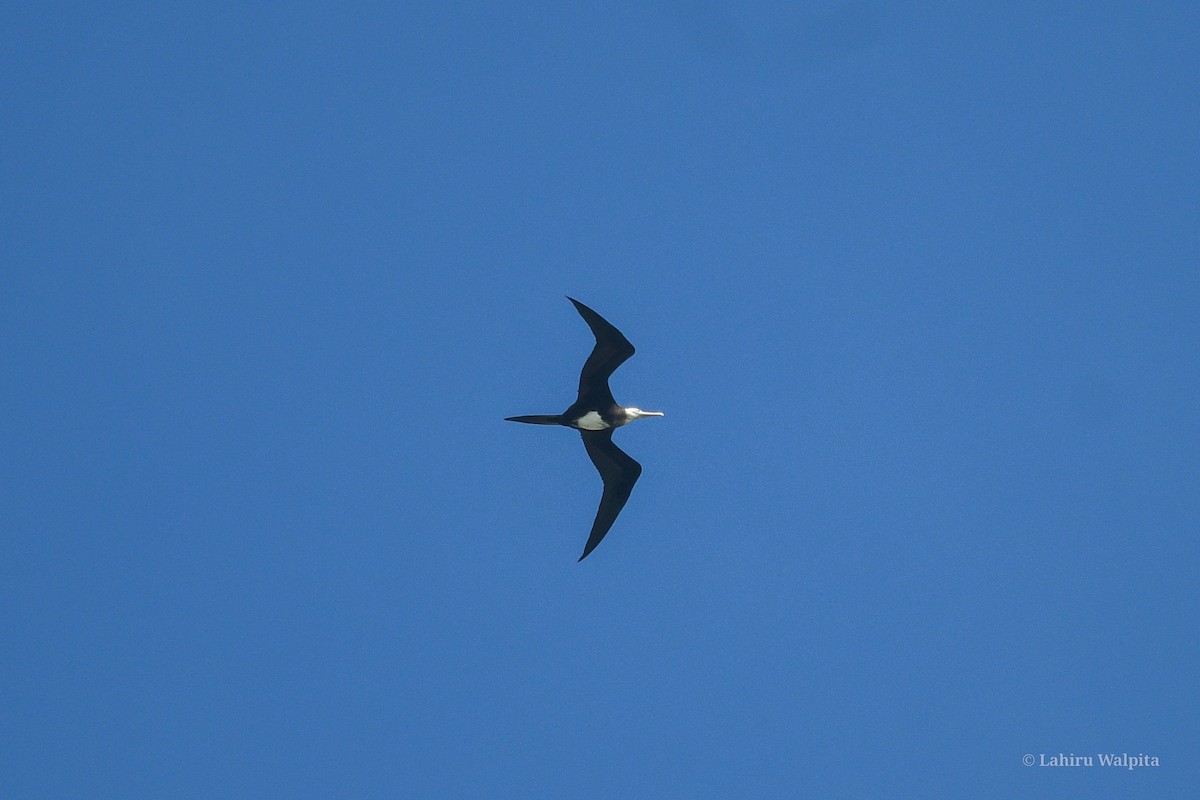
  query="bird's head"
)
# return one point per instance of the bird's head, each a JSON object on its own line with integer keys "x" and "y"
{"x": 637, "y": 413}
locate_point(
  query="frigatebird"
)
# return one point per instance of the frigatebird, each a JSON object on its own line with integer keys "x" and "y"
{"x": 595, "y": 414}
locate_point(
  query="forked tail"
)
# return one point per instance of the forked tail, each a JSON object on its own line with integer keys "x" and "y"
{"x": 538, "y": 419}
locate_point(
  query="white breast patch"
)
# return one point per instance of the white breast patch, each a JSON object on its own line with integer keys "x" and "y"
{"x": 592, "y": 421}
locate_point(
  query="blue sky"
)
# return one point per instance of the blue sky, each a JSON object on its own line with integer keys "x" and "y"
{"x": 915, "y": 284}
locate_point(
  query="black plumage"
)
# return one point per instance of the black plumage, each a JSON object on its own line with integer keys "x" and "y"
{"x": 595, "y": 414}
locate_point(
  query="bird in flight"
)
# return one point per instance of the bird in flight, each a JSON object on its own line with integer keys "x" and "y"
{"x": 595, "y": 414}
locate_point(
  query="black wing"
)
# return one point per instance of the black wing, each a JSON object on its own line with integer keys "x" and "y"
{"x": 611, "y": 351}
{"x": 619, "y": 472}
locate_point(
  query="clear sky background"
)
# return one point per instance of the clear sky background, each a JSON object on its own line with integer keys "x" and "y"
{"x": 917, "y": 286}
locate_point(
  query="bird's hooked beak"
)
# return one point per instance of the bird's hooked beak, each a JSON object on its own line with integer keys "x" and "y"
{"x": 637, "y": 413}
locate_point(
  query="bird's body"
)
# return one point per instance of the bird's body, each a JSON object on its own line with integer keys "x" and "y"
{"x": 595, "y": 414}
{"x": 590, "y": 420}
